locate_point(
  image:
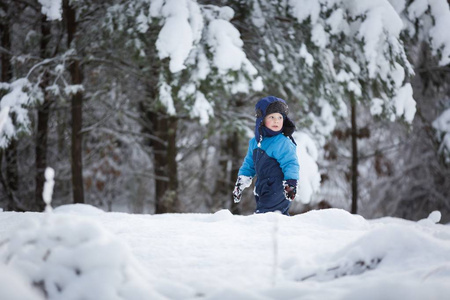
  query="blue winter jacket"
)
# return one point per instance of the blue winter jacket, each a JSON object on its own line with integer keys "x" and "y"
{"x": 272, "y": 160}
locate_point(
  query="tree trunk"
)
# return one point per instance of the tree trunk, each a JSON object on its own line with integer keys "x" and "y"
{"x": 235, "y": 165}
{"x": 77, "y": 117}
{"x": 171, "y": 202}
{"x": 229, "y": 163}
{"x": 76, "y": 107}
{"x": 12, "y": 204}
{"x": 11, "y": 183}
{"x": 6, "y": 44}
{"x": 229, "y": 166}
{"x": 164, "y": 128}
{"x": 12, "y": 174}
{"x": 42, "y": 126}
{"x": 41, "y": 153}
{"x": 354, "y": 167}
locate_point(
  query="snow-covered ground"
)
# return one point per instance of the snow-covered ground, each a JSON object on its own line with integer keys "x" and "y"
{"x": 80, "y": 252}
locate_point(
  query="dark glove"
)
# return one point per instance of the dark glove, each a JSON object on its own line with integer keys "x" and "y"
{"x": 241, "y": 183}
{"x": 290, "y": 189}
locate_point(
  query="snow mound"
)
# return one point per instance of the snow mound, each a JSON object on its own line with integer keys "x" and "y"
{"x": 432, "y": 219}
{"x": 334, "y": 218}
{"x": 384, "y": 249}
{"x": 221, "y": 215}
{"x": 174, "y": 290}
{"x": 13, "y": 286}
{"x": 74, "y": 258}
{"x": 79, "y": 209}
{"x": 233, "y": 294}
{"x": 325, "y": 254}
{"x": 399, "y": 289}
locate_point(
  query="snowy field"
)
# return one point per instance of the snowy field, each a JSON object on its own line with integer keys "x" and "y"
{"x": 80, "y": 252}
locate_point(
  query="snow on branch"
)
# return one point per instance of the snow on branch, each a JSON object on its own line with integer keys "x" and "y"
{"x": 198, "y": 47}
{"x": 19, "y": 95}
{"x": 427, "y": 20}
{"x": 178, "y": 34}
{"x": 3, "y": 117}
{"x": 52, "y": 9}
{"x": 358, "y": 49}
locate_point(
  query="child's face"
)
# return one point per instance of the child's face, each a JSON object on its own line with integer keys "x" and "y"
{"x": 274, "y": 121}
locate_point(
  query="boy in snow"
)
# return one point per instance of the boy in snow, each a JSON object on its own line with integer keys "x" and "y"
{"x": 272, "y": 158}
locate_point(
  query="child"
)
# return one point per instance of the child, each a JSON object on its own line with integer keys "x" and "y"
{"x": 272, "y": 158}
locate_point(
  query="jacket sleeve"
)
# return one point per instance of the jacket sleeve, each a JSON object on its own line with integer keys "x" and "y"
{"x": 287, "y": 158}
{"x": 248, "y": 167}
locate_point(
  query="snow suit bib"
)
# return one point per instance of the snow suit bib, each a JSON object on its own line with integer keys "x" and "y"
{"x": 269, "y": 190}
{"x": 273, "y": 161}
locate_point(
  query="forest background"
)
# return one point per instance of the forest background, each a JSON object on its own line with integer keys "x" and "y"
{"x": 147, "y": 106}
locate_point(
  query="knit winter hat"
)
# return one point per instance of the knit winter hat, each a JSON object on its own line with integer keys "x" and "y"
{"x": 277, "y": 107}
{"x": 267, "y": 106}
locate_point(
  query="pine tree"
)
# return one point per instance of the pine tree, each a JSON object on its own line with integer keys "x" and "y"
{"x": 194, "y": 76}
{"x": 331, "y": 57}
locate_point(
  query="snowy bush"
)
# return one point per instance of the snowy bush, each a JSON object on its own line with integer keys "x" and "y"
{"x": 307, "y": 154}
{"x": 68, "y": 257}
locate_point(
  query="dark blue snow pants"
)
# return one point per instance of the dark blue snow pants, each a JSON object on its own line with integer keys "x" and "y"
{"x": 269, "y": 190}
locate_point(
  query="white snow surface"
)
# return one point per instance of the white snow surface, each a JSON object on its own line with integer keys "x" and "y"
{"x": 79, "y": 252}
{"x": 14, "y": 287}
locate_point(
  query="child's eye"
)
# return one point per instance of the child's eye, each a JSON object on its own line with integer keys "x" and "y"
{"x": 272, "y": 118}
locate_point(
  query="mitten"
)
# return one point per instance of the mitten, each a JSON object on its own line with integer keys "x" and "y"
{"x": 241, "y": 183}
{"x": 290, "y": 189}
